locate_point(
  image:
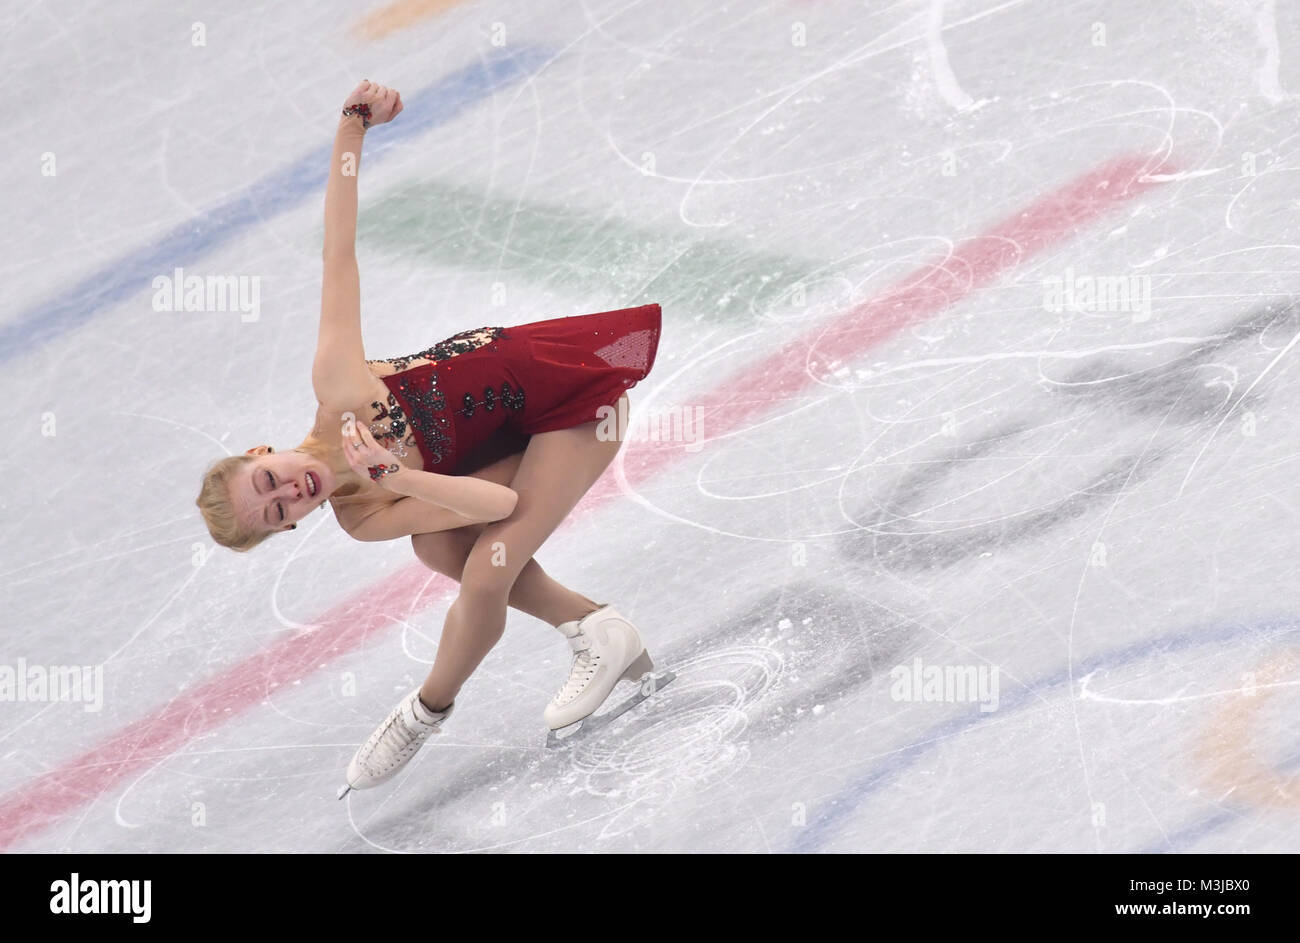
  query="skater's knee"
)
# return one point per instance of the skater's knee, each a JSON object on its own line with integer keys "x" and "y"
{"x": 490, "y": 585}
{"x": 481, "y": 606}
{"x": 489, "y": 574}
{"x": 444, "y": 551}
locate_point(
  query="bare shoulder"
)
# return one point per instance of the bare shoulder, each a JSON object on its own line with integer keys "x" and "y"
{"x": 351, "y": 510}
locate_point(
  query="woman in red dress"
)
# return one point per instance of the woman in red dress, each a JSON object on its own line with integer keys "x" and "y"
{"x": 477, "y": 448}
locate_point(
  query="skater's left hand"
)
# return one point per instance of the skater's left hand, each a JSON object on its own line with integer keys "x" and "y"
{"x": 363, "y": 452}
{"x": 385, "y": 103}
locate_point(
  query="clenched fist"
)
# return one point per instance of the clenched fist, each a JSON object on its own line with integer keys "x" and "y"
{"x": 385, "y": 103}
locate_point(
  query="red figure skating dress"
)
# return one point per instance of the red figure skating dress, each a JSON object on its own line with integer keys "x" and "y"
{"x": 502, "y": 384}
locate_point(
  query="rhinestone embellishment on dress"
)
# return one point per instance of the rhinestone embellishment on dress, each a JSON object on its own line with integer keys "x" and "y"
{"x": 509, "y": 398}
{"x": 461, "y": 343}
{"x": 394, "y": 439}
{"x": 426, "y": 413}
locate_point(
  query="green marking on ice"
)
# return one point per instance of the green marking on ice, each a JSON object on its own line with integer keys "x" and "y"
{"x": 581, "y": 252}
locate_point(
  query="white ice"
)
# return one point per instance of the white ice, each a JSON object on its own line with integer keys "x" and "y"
{"x": 1097, "y": 502}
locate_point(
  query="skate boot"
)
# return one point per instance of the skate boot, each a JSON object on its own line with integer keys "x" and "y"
{"x": 607, "y": 649}
{"x": 394, "y": 742}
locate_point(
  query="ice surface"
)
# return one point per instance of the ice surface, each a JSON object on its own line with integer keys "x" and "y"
{"x": 1097, "y": 501}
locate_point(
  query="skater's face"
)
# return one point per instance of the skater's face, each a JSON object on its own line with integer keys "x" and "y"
{"x": 280, "y": 488}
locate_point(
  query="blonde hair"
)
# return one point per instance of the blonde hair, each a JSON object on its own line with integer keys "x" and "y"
{"x": 218, "y": 509}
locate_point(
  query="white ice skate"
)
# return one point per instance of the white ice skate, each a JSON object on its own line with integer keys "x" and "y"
{"x": 607, "y": 649}
{"x": 394, "y": 742}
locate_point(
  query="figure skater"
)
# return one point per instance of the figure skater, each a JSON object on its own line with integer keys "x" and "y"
{"x": 476, "y": 448}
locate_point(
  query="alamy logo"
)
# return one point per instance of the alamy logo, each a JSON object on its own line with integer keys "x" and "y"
{"x": 181, "y": 292}
{"x": 102, "y": 897}
{"x": 79, "y": 683}
{"x": 1127, "y": 293}
{"x": 674, "y": 424}
{"x": 947, "y": 683}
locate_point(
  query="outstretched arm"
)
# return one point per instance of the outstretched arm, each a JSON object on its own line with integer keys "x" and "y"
{"x": 339, "y": 371}
{"x": 472, "y": 498}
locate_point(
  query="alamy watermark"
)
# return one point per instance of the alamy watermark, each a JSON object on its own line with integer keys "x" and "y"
{"x": 950, "y": 684}
{"x": 181, "y": 292}
{"x": 76, "y": 683}
{"x": 1123, "y": 293}
{"x": 674, "y": 424}
{"x": 79, "y": 895}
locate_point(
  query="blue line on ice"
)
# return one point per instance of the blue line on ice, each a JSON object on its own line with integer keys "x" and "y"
{"x": 825, "y": 827}
{"x": 275, "y": 193}
{"x": 1192, "y": 832}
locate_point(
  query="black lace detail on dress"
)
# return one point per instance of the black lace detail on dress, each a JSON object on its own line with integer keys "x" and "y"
{"x": 427, "y": 414}
{"x": 508, "y": 397}
{"x": 395, "y": 438}
{"x": 427, "y": 401}
{"x": 461, "y": 343}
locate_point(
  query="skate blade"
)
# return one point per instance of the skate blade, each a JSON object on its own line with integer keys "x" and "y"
{"x": 647, "y": 687}
{"x": 344, "y": 790}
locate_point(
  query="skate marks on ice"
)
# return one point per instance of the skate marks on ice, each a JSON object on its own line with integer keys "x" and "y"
{"x": 787, "y": 657}
{"x": 1187, "y": 672}
{"x": 760, "y": 672}
{"x": 1234, "y": 750}
{"x": 636, "y": 764}
{"x": 917, "y": 524}
{"x": 692, "y": 738}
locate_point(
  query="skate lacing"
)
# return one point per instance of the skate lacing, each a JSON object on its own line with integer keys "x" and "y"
{"x": 395, "y": 739}
{"x": 580, "y": 673}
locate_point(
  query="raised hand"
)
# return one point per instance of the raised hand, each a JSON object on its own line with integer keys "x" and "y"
{"x": 367, "y": 457}
{"x": 384, "y": 103}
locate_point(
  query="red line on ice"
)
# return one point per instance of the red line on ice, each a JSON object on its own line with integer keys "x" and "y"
{"x": 40, "y": 802}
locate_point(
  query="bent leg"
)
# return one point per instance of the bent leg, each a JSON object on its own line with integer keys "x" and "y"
{"x": 534, "y": 591}
{"x": 557, "y": 469}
